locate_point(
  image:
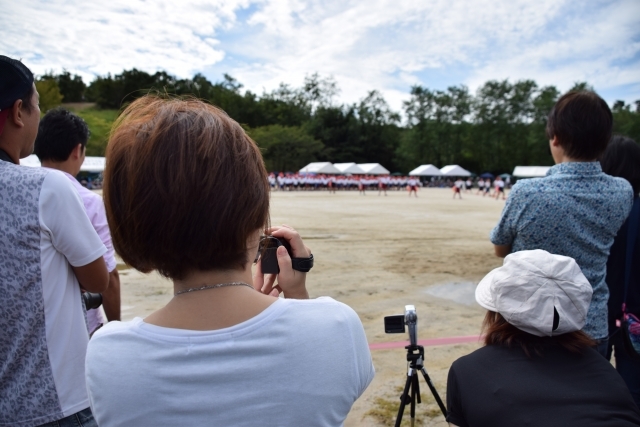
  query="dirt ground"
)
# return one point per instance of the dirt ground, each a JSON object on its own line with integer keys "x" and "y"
{"x": 377, "y": 254}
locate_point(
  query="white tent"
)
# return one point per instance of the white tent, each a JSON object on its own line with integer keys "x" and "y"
{"x": 90, "y": 164}
{"x": 373, "y": 169}
{"x": 348, "y": 168}
{"x": 320, "y": 167}
{"x": 93, "y": 164}
{"x": 454, "y": 170}
{"x": 530, "y": 171}
{"x": 426, "y": 170}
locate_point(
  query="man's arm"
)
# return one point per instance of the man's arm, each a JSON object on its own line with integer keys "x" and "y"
{"x": 111, "y": 297}
{"x": 502, "y": 250}
{"x": 93, "y": 277}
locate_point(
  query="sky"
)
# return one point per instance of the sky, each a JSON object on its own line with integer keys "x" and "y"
{"x": 384, "y": 45}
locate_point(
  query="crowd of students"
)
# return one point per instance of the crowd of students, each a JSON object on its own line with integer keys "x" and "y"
{"x": 226, "y": 349}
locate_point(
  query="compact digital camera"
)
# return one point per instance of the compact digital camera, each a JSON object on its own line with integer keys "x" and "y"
{"x": 268, "y": 252}
{"x": 396, "y": 324}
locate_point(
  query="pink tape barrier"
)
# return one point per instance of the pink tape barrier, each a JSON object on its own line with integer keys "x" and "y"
{"x": 426, "y": 343}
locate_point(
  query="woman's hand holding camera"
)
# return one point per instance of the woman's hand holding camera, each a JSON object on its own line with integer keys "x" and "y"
{"x": 289, "y": 281}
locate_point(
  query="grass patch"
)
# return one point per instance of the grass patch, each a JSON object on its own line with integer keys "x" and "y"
{"x": 99, "y": 122}
{"x": 385, "y": 409}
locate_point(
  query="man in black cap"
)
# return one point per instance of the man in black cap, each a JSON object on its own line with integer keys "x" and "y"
{"x": 48, "y": 249}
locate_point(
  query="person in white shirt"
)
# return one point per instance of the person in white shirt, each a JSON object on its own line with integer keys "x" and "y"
{"x": 457, "y": 188}
{"x": 225, "y": 350}
{"x": 412, "y": 183}
{"x": 48, "y": 250}
{"x": 499, "y": 185}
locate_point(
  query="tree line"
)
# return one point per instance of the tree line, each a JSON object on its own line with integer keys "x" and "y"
{"x": 498, "y": 127}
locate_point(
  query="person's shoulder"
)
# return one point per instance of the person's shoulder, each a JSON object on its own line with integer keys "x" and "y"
{"x": 485, "y": 356}
{"x": 23, "y": 172}
{"x": 324, "y": 308}
{"x": 113, "y": 332}
{"x": 618, "y": 184}
{"x": 56, "y": 179}
{"x": 529, "y": 184}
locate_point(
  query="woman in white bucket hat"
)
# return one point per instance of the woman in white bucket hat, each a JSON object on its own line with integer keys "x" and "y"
{"x": 538, "y": 368}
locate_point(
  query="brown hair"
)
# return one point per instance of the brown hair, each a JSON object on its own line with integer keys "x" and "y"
{"x": 184, "y": 187}
{"x": 583, "y": 123}
{"x": 497, "y": 331}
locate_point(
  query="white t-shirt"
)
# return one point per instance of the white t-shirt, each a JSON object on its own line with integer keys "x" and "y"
{"x": 298, "y": 363}
{"x": 43, "y": 333}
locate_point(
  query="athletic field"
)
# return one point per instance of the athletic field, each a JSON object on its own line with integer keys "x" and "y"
{"x": 377, "y": 254}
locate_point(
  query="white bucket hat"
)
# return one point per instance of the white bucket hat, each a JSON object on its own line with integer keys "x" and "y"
{"x": 530, "y": 285}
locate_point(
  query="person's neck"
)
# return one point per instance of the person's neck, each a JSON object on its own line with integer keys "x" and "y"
{"x": 65, "y": 166}
{"x": 196, "y": 279}
{"x": 211, "y": 309}
{"x": 12, "y": 152}
{"x": 566, "y": 159}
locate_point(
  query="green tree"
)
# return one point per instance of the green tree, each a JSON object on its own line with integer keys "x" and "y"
{"x": 286, "y": 148}
{"x": 625, "y": 120}
{"x": 50, "y": 96}
{"x": 71, "y": 87}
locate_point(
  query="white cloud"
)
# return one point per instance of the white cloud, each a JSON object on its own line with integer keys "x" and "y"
{"x": 387, "y": 45}
{"x": 100, "y": 37}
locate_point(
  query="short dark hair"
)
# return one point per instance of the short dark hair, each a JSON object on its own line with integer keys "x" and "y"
{"x": 184, "y": 187}
{"x": 622, "y": 158}
{"x": 582, "y": 122}
{"x": 59, "y": 133}
{"x": 500, "y": 332}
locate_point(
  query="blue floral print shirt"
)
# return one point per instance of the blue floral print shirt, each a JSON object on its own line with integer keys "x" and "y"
{"x": 575, "y": 211}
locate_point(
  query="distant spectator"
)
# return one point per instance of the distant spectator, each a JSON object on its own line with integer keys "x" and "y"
{"x": 622, "y": 158}
{"x": 537, "y": 368}
{"x": 576, "y": 210}
{"x": 61, "y": 143}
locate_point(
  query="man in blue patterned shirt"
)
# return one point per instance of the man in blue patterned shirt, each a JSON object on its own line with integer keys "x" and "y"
{"x": 576, "y": 210}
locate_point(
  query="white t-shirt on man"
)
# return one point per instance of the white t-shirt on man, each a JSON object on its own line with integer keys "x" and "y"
{"x": 298, "y": 363}
{"x": 44, "y": 230}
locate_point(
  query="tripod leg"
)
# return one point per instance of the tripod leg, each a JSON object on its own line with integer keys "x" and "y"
{"x": 434, "y": 392}
{"x": 405, "y": 396}
{"x": 415, "y": 389}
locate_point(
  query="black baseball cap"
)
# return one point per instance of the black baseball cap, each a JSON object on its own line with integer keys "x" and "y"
{"x": 15, "y": 81}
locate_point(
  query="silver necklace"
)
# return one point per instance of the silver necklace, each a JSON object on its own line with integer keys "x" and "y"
{"x": 217, "y": 285}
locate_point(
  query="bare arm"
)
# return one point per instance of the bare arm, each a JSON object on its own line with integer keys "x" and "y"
{"x": 111, "y": 297}
{"x": 502, "y": 250}
{"x": 94, "y": 276}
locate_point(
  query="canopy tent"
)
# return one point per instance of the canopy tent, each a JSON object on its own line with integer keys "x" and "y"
{"x": 504, "y": 175}
{"x": 426, "y": 170}
{"x": 530, "y": 171}
{"x": 373, "y": 169}
{"x": 348, "y": 168}
{"x": 320, "y": 167}
{"x": 454, "y": 170}
{"x": 93, "y": 164}
{"x": 487, "y": 175}
{"x": 90, "y": 164}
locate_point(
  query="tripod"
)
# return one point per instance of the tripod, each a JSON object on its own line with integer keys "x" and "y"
{"x": 415, "y": 357}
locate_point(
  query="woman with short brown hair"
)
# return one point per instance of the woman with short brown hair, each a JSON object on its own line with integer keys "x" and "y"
{"x": 187, "y": 194}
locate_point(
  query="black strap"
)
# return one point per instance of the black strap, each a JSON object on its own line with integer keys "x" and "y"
{"x": 302, "y": 264}
{"x": 632, "y": 235}
{"x": 4, "y": 156}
